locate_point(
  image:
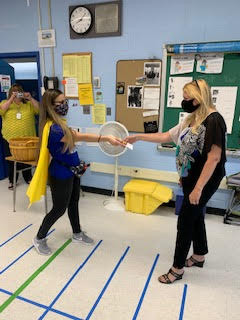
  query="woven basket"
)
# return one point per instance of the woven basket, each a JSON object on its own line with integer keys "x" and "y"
{"x": 24, "y": 149}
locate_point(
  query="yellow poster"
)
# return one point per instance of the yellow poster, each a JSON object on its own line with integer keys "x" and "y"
{"x": 85, "y": 94}
{"x": 77, "y": 66}
{"x": 84, "y": 69}
{"x": 99, "y": 114}
{"x": 69, "y": 66}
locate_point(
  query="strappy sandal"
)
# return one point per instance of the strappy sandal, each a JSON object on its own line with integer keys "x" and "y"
{"x": 166, "y": 278}
{"x": 195, "y": 263}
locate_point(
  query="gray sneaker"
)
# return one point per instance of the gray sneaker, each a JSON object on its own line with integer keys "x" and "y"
{"x": 81, "y": 238}
{"x": 41, "y": 246}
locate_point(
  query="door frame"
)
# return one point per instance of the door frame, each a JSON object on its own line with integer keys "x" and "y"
{"x": 30, "y": 54}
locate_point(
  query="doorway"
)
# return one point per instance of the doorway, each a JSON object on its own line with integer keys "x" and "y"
{"x": 27, "y": 70}
{"x": 27, "y": 73}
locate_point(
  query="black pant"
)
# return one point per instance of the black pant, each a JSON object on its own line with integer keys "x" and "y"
{"x": 65, "y": 194}
{"x": 27, "y": 174}
{"x": 191, "y": 225}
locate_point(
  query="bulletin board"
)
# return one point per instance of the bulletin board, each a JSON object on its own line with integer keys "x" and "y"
{"x": 229, "y": 76}
{"x": 75, "y": 68}
{"x": 131, "y": 76}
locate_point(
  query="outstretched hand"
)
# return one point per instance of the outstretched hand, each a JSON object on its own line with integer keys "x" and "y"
{"x": 130, "y": 139}
{"x": 116, "y": 141}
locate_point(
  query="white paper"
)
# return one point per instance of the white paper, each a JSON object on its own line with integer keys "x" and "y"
{"x": 71, "y": 87}
{"x": 182, "y": 64}
{"x": 182, "y": 116}
{"x": 92, "y": 130}
{"x": 175, "y": 91}
{"x": 151, "y": 98}
{"x": 150, "y": 113}
{"x": 210, "y": 63}
{"x": 78, "y": 143}
{"x": 46, "y": 38}
{"x": 129, "y": 146}
{"x": 224, "y": 98}
{"x": 5, "y": 81}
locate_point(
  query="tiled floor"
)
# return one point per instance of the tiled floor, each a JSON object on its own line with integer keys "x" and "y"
{"x": 117, "y": 277}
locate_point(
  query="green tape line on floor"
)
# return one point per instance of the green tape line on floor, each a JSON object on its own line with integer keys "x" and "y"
{"x": 33, "y": 276}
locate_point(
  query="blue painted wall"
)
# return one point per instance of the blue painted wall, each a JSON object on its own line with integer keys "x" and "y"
{"x": 147, "y": 25}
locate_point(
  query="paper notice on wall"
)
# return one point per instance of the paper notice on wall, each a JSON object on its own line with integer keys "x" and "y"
{"x": 69, "y": 66}
{"x": 71, "y": 87}
{"x": 5, "y": 82}
{"x": 175, "y": 91}
{"x": 85, "y": 92}
{"x": 46, "y": 38}
{"x": 99, "y": 113}
{"x": 151, "y": 98}
{"x": 224, "y": 98}
{"x": 77, "y": 66}
{"x": 182, "y": 64}
{"x": 98, "y": 97}
{"x": 84, "y": 69}
{"x": 94, "y": 130}
{"x": 150, "y": 113}
{"x": 210, "y": 63}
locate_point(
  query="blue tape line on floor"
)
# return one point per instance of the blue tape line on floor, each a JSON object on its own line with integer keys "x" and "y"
{"x": 19, "y": 257}
{"x": 183, "y": 302}
{"x": 64, "y": 314}
{"x": 107, "y": 284}
{"x": 70, "y": 280}
{"x": 15, "y": 235}
{"x": 145, "y": 288}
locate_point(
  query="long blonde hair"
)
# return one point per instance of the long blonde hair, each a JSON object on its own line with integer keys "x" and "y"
{"x": 47, "y": 112}
{"x": 199, "y": 90}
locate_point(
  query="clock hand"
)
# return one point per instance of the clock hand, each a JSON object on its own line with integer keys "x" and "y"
{"x": 78, "y": 20}
{"x": 82, "y": 17}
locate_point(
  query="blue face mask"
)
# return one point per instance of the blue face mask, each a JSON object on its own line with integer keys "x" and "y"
{"x": 61, "y": 109}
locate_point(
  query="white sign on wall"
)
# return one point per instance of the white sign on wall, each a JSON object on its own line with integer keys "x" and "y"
{"x": 46, "y": 38}
{"x": 5, "y": 82}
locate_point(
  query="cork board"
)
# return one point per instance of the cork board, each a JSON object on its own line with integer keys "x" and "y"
{"x": 133, "y": 78}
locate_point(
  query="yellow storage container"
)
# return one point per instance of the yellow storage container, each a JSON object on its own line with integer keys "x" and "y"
{"x": 142, "y": 196}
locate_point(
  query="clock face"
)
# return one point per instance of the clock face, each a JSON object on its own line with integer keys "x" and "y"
{"x": 81, "y": 20}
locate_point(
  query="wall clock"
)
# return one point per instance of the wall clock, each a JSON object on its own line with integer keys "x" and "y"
{"x": 95, "y": 20}
{"x": 81, "y": 20}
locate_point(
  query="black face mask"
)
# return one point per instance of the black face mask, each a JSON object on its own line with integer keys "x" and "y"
{"x": 188, "y": 106}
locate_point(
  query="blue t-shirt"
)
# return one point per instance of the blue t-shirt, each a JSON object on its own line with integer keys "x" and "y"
{"x": 55, "y": 147}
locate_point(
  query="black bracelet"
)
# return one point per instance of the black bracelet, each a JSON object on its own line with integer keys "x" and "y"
{"x": 99, "y": 138}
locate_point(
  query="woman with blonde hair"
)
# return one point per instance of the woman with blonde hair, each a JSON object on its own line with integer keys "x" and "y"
{"x": 58, "y": 140}
{"x": 200, "y": 160}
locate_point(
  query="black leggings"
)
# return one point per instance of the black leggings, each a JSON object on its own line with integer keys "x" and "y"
{"x": 27, "y": 174}
{"x": 65, "y": 194}
{"x": 191, "y": 225}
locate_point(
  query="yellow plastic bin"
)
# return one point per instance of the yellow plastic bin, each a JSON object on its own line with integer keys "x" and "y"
{"x": 142, "y": 196}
